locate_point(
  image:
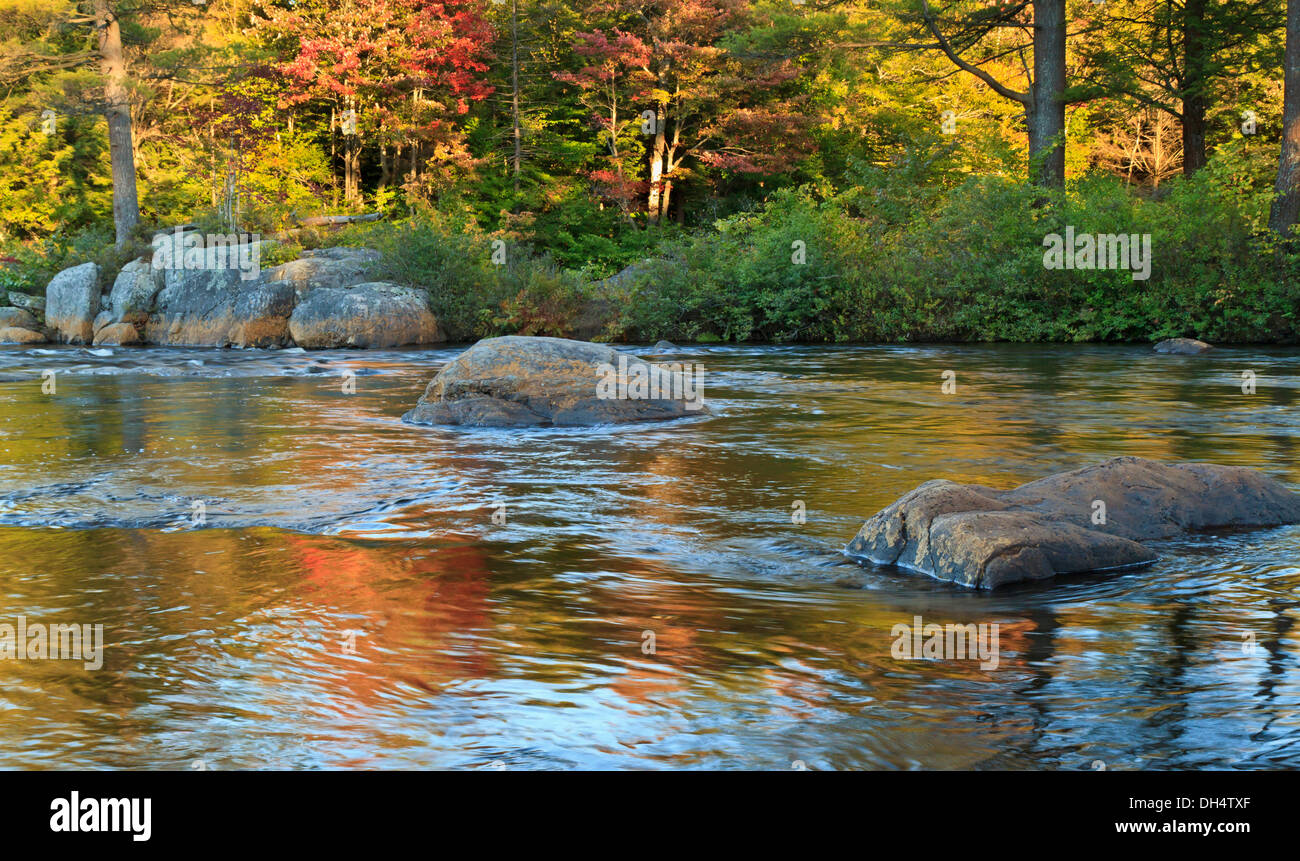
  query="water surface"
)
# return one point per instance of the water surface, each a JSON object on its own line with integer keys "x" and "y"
{"x": 522, "y": 644}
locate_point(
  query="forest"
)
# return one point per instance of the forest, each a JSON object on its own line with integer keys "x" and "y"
{"x": 780, "y": 170}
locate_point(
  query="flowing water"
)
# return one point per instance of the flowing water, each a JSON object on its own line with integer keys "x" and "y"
{"x": 289, "y": 577}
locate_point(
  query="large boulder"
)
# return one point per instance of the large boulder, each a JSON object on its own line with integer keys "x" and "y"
{"x": 16, "y": 335}
{"x": 1183, "y": 347}
{"x": 374, "y": 314}
{"x": 522, "y": 381}
{"x": 326, "y": 268}
{"x": 72, "y": 302}
{"x": 134, "y": 291}
{"x": 218, "y": 308}
{"x": 17, "y": 318}
{"x": 1086, "y": 520}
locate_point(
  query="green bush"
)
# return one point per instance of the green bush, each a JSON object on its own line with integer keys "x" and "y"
{"x": 968, "y": 265}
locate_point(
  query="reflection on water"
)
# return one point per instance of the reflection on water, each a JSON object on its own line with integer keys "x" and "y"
{"x": 348, "y": 601}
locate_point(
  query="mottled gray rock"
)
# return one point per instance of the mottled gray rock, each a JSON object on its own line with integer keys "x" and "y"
{"x": 17, "y": 318}
{"x": 71, "y": 303}
{"x": 217, "y": 308}
{"x": 326, "y": 268}
{"x": 1086, "y": 520}
{"x": 522, "y": 381}
{"x": 374, "y": 314}
{"x": 1183, "y": 347}
{"x": 33, "y": 304}
{"x": 17, "y": 335}
{"x": 599, "y": 314}
{"x": 134, "y": 291}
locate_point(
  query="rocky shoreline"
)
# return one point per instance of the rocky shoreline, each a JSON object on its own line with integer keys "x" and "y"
{"x": 325, "y": 299}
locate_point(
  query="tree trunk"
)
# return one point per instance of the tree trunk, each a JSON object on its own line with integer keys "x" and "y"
{"x": 514, "y": 89}
{"x": 352, "y": 190}
{"x": 1286, "y": 205}
{"x": 117, "y": 110}
{"x": 352, "y": 156}
{"x": 1193, "y": 86}
{"x": 1046, "y": 114}
{"x": 655, "y": 202}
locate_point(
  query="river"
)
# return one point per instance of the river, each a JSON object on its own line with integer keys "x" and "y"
{"x": 288, "y": 577}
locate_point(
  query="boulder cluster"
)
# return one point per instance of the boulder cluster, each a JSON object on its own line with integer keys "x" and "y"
{"x": 324, "y": 299}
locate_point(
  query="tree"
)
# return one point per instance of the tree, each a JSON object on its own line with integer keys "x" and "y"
{"x": 395, "y": 72}
{"x": 700, "y": 102}
{"x": 1044, "y": 99}
{"x": 112, "y": 37}
{"x": 1176, "y": 56}
{"x": 117, "y": 110}
{"x": 1286, "y": 205}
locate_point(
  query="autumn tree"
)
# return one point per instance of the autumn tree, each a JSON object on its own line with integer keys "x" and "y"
{"x": 696, "y": 102}
{"x": 396, "y": 73}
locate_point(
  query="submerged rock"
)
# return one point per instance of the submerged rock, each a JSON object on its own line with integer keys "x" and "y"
{"x": 520, "y": 381}
{"x": 1183, "y": 347}
{"x": 16, "y": 335}
{"x": 72, "y": 302}
{"x": 1081, "y": 521}
{"x": 375, "y": 314}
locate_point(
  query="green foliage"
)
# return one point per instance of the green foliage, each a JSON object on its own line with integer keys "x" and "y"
{"x": 971, "y": 268}
{"x": 39, "y": 261}
{"x": 51, "y": 182}
{"x": 471, "y": 295}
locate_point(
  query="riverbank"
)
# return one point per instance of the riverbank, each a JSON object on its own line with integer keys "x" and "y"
{"x": 988, "y": 261}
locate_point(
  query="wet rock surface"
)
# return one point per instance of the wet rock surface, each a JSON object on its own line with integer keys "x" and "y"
{"x": 524, "y": 381}
{"x": 1086, "y": 520}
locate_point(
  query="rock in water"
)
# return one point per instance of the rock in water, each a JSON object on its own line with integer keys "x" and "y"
{"x": 117, "y": 335}
{"x": 523, "y": 381}
{"x": 16, "y": 335}
{"x": 134, "y": 291}
{"x": 217, "y": 308}
{"x": 1086, "y": 520}
{"x": 72, "y": 302}
{"x": 376, "y": 314}
{"x": 17, "y": 318}
{"x": 1183, "y": 347}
